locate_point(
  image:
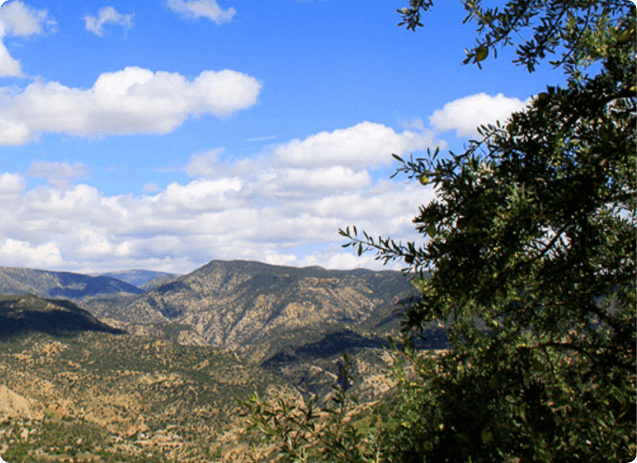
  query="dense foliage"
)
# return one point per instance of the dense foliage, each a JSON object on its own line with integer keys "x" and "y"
{"x": 531, "y": 245}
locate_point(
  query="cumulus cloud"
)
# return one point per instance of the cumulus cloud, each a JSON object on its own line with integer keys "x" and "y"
{"x": 194, "y": 9}
{"x": 324, "y": 178}
{"x": 59, "y": 174}
{"x": 23, "y": 254}
{"x": 466, "y": 114}
{"x": 253, "y": 208}
{"x": 365, "y": 144}
{"x": 20, "y": 20}
{"x": 11, "y": 184}
{"x": 107, "y": 15}
{"x": 335, "y": 161}
{"x": 130, "y": 101}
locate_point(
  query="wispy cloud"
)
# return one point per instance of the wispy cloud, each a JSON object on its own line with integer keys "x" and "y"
{"x": 194, "y": 9}
{"x": 59, "y": 174}
{"x": 107, "y": 15}
{"x": 151, "y": 188}
{"x": 269, "y": 137}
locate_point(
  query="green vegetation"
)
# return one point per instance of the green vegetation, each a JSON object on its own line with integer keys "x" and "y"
{"x": 531, "y": 247}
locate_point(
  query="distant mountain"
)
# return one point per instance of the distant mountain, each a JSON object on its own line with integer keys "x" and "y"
{"x": 66, "y": 285}
{"x": 258, "y": 309}
{"x": 144, "y": 279}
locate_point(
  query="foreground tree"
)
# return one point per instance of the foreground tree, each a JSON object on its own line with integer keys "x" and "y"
{"x": 530, "y": 246}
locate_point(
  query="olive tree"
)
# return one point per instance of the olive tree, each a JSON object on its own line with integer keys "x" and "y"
{"x": 527, "y": 257}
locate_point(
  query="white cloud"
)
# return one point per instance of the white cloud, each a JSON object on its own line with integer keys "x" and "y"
{"x": 133, "y": 100}
{"x": 201, "y": 8}
{"x": 19, "y": 20}
{"x": 466, "y": 114}
{"x": 11, "y": 184}
{"x": 324, "y": 178}
{"x": 23, "y": 254}
{"x": 9, "y": 66}
{"x": 59, "y": 174}
{"x": 107, "y": 15}
{"x": 365, "y": 144}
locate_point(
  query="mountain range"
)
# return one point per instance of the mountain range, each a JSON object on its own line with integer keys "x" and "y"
{"x": 288, "y": 326}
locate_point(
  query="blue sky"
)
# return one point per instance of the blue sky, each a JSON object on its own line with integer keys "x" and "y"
{"x": 162, "y": 134}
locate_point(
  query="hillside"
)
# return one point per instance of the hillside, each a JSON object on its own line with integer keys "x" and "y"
{"x": 99, "y": 396}
{"x": 29, "y": 314}
{"x": 65, "y": 285}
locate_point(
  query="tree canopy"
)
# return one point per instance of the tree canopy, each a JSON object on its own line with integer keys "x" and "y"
{"x": 527, "y": 257}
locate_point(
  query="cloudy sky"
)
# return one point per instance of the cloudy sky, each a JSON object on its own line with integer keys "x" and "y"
{"x": 162, "y": 134}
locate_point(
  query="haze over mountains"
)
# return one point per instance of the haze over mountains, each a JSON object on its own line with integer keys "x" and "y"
{"x": 144, "y": 279}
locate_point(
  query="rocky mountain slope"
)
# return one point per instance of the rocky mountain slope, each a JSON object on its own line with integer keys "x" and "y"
{"x": 61, "y": 284}
{"x": 258, "y": 310}
{"x": 74, "y": 386}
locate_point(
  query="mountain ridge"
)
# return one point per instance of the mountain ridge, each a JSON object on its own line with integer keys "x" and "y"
{"x": 232, "y": 304}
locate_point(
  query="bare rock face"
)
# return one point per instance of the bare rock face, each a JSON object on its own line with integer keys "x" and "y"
{"x": 254, "y": 308}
